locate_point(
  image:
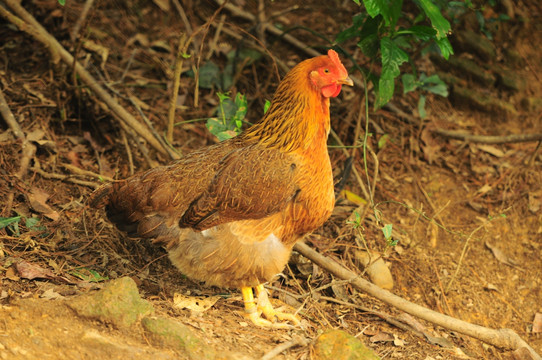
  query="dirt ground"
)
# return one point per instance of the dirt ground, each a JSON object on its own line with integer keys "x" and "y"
{"x": 468, "y": 216}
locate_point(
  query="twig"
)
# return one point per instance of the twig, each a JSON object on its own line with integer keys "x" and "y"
{"x": 6, "y": 113}
{"x": 128, "y": 152}
{"x": 82, "y": 18}
{"x": 299, "y": 341}
{"x": 504, "y": 338}
{"x": 533, "y": 156}
{"x": 63, "y": 177}
{"x": 49, "y": 41}
{"x": 183, "y": 16}
{"x": 79, "y": 171}
{"x": 181, "y": 51}
{"x": 260, "y": 30}
{"x": 28, "y": 148}
{"x": 486, "y": 139}
{"x": 388, "y": 318}
{"x": 463, "y": 252}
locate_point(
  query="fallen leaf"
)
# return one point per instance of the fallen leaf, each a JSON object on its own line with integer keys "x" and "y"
{"x": 30, "y": 271}
{"x": 411, "y": 321}
{"x": 499, "y": 255}
{"x": 431, "y": 147}
{"x": 382, "y": 337}
{"x": 38, "y": 201}
{"x": 535, "y": 203}
{"x": 397, "y": 341}
{"x": 194, "y": 303}
{"x": 491, "y": 150}
{"x": 10, "y": 274}
{"x": 50, "y": 294}
{"x": 537, "y": 323}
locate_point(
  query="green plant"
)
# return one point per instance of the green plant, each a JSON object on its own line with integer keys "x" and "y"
{"x": 381, "y": 35}
{"x": 230, "y": 116}
{"x": 432, "y": 84}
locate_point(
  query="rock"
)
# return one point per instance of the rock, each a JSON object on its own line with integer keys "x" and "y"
{"x": 339, "y": 345}
{"x": 177, "y": 336}
{"x": 376, "y": 269}
{"x": 118, "y": 303}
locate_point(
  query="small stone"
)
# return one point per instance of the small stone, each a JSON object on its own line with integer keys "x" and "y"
{"x": 339, "y": 345}
{"x": 118, "y": 303}
{"x": 173, "y": 334}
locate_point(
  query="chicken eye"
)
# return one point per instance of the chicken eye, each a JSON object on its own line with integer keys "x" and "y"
{"x": 326, "y": 71}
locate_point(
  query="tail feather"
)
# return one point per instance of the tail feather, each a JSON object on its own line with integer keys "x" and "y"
{"x": 100, "y": 197}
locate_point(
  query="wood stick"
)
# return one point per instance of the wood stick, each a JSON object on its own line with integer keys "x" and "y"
{"x": 487, "y": 139}
{"x": 503, "y": 338}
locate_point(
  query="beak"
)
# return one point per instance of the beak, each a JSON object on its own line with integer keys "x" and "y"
{"x": 346, "y": 81}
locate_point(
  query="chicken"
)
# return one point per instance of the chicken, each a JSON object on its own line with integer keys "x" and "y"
{"x": 229, "y": 214}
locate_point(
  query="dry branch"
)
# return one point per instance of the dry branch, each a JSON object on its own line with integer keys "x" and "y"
{"x": 31, "y": 26}
{"x": 502, "y": 338}
{"x": 486, "y": 139}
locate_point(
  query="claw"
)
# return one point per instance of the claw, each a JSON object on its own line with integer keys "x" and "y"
{"x": 254, "y": 311}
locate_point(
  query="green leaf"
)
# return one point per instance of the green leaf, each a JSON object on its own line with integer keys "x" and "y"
{"x": 369, "y": 36}
{"x": 215, "y": 126}
{"x": 392, "y": 57}
{"x": 385, "y": 92}
{"x": 387, "y": 230}
{"x": 352, "y": 31}
{"x": 439, "y": 89}
{"x": 409, "y": 83}
{"x": 440, "y": 24}
{"x": 421, "y": 107}
{"x": 357, "y": 2}
{"x": 445, "y": 47}
{"x": 266, "y": 106}
{"x": 7, "y": 221}
{"x": 383, "y": 141}
{"x": 424, "y": 33}
{"x": 225, "y": 135}
{"x": 395, "y": 12}
{"x": 373, "y": 7}
{"x": 208, "y": 75}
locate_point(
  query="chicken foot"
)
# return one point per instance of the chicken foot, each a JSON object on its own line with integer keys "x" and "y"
{"x": 254, "y": 310}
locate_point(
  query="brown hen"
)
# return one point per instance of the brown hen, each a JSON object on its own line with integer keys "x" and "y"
{"x": 229, "y": 214}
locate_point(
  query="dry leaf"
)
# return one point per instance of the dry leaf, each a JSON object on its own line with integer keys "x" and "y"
{"x": 537, "y": 323}
{"x": 194, "y": 303}
{"x": 499, "y": 255}
{"x": 411, "y": 321}
{"x": 535, "y": 203}
{"x": 382, "y": 337}
{"x": 10, "y": 274}
{"x": 38, "y": 201}
{"x": 491, "y": 150}
{"x": 30, "y": 271}
{"x": 50, "y": 294}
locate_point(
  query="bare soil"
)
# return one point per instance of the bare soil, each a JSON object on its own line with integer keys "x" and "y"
{"x": 468, "y": 216}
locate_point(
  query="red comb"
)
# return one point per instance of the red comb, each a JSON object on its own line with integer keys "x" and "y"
{"x": 335, "y": 59}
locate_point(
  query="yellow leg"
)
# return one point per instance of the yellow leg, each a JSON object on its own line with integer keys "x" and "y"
{"x": 253, "y": 311}
{"x": 265, "y": 306}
